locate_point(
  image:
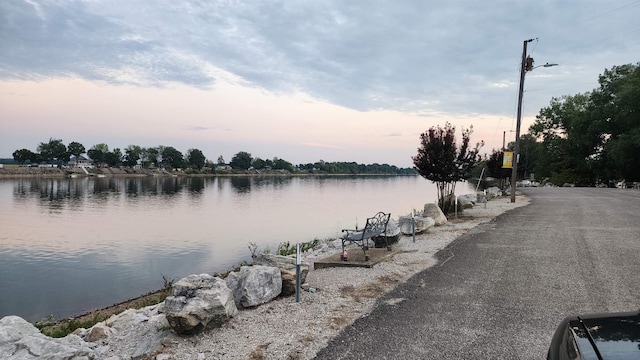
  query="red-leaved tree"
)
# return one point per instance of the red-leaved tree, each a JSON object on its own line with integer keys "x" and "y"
{"x": 442, "y": 161}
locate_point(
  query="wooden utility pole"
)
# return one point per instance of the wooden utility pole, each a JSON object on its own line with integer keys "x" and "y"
{"x": 524, "y": 66}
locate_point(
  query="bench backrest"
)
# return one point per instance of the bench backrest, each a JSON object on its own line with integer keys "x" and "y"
{"x": 377, "y": 224}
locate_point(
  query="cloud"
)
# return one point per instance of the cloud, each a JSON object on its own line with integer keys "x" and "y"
{"x": 206, "y": 128}
{"x": 456, "y": 57}
{"x": 326, "y": 146}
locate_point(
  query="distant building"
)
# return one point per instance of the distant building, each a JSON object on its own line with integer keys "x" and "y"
{"x": 80, "y": 161}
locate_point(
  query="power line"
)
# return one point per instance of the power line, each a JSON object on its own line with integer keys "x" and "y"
{"x": 605, "y": 13}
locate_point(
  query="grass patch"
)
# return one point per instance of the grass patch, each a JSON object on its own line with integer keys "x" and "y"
{"x": 61, "y": 328}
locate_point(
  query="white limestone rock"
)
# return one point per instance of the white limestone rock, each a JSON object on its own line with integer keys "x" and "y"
{"x": 287, "y": 266}
{"x": 255, "y": 285}
{"x": 20, "y": 340}
{"x": 422, "y": 224}
{"x": 433, "y": 211}
{"x": 199, "y": 301}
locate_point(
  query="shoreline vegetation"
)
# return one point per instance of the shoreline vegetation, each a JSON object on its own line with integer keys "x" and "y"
{"x": 16, "y": 171}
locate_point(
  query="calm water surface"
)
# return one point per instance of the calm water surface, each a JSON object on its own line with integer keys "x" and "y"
{"x": 68, "y": 246}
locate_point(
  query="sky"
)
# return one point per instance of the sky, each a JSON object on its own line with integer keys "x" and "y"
{"x": 303, "y": 81}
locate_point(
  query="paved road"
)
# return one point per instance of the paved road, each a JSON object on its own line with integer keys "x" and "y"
{"x": 499, "y": 291}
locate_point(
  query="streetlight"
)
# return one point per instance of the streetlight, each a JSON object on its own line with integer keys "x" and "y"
{"x": 527, "y": 65}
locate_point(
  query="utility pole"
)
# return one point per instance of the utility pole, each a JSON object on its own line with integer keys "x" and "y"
{"x": 524, "y": 66}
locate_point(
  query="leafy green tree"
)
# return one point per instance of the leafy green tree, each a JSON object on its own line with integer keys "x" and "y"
{"x": 172, "y": 157}
{"x": 221, "y": 160}
{"x": 75, "y": 148}
{"x": 196, "y": 158}
{"x": 151, "y": 156}
{"x": 22, "y": 155}
{"x": 280, "y": 164}
{"x": 258, "y": 163}
{"x": 530, "y": 150}
{"x": 53, "y": 150}
{"x": 114, "y": 157}
{"x": 591, "y": 137}
{"x": 241, "y": 160}
{"x": 98, "y": 153}
{"x": 441, "y": 161}
{"x": 132, "y": 154}
{"x": 618, "y": 98}
{"x": 494, "y": 167}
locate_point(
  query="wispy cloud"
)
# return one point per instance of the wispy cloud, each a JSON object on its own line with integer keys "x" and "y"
{"x": 452, "y": 57}
{"x": 326, "y": 146}
{"x": 206, "y": 128}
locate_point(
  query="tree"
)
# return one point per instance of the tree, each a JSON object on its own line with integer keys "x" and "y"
{"x": 98, "y": 153}
{"x": 280, "y": 164}
{"x": 114, "y": 157}
{"x": 23, "y": 155}
{"x": 75, "y": 148}
{"x": 53, "y": 150}
{"x": 172, "y": 157}
{"x": 241, "y": 160}
{"x": 258, "y": 163}
{"x": 441, "y": 161}
{"x": 132, "y": 154}
{"x": 221, "y": 160}
{"x": 591, "y": 137}
{"x": 151, "y": 156}
{"x": 494, "y": 167}
{"x": 196, "y": 158}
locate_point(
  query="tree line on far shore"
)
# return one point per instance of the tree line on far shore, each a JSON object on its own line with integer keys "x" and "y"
{"x": 54, "y": 151}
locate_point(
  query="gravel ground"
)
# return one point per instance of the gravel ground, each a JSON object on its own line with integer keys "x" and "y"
{"x": 286, "y": 329}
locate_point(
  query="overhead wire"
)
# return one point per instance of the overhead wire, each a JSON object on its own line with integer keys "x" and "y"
{"x": 584, "y": 45}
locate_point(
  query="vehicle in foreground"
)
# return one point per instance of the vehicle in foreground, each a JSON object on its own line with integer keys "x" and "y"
{"x": 597, "y": 336}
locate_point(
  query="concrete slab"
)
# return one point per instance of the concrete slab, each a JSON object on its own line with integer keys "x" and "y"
{"x": 356, "y": 258}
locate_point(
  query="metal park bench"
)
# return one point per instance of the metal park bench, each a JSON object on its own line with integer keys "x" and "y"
{"x": 375, "y": 226}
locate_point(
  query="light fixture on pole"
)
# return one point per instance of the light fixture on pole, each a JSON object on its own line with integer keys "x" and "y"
{"x": 526, "y": 65}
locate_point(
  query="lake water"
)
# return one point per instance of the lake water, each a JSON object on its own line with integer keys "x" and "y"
{"x": 68, "y": 246}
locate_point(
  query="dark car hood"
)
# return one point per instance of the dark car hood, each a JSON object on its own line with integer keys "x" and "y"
{"x": 615, "y": 335}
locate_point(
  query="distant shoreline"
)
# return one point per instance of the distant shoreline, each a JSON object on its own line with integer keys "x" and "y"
{"x": 55, "y": 173}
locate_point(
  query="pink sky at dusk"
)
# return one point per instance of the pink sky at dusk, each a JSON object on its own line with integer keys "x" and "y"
{"x": 303, "y": 81}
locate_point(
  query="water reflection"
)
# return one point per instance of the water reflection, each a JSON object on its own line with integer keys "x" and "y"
{"x": 69, "y": 191}
{"x": 154, "y": 226}
{"x": 241, "y": 184}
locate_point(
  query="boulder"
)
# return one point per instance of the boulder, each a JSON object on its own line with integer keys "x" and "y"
{"x": 433, "y": 211}
{"x": 466, "y": 201}
{"x": 20, "y": 340}
{"x": 197, "y": 302}
{"x": 493, "y": 192}
{"x": 472, "y": 198}
{"x": 132, "y": 334}
{"x": 422, "y": 224}
{"x": 287, "y": 266}
{"x": 98, "y": 332}
{"x": 254, "y": 285}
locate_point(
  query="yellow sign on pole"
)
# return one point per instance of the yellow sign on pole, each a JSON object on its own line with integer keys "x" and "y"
{"x": 507, "y": 160}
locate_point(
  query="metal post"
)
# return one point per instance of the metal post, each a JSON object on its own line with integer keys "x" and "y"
{"x": 413, "y": 224}
{"x": 514, "y": 167}
{"x": 298, "y": 261}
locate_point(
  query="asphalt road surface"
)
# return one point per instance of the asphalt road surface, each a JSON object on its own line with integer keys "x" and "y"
{"x": 500, "y": 291}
